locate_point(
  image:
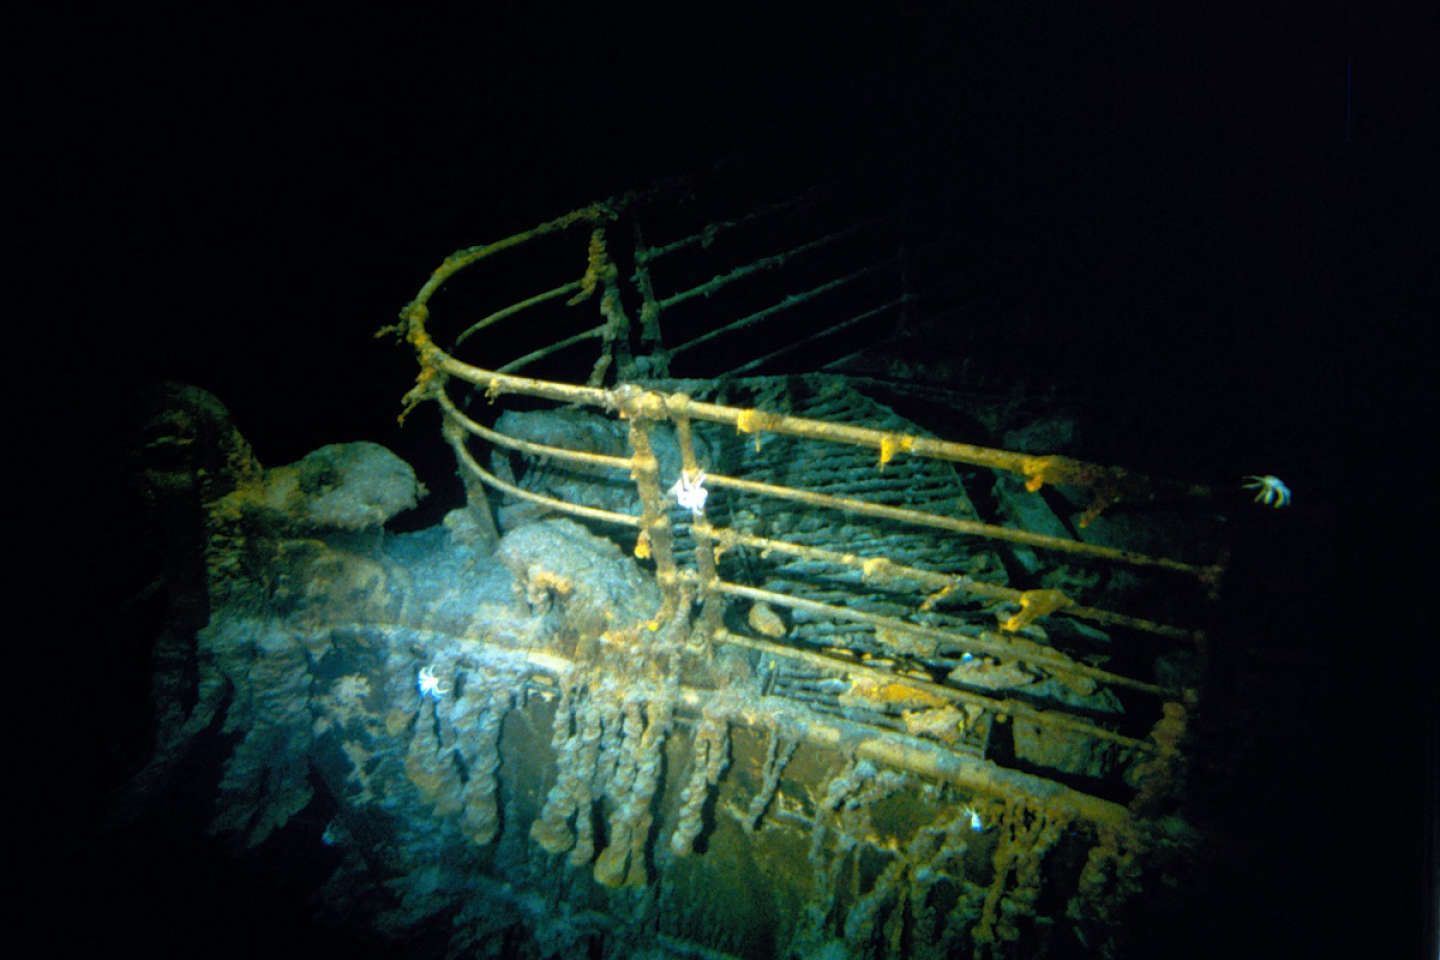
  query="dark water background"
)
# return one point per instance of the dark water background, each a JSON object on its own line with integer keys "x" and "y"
{"x": 1233, "y": 259}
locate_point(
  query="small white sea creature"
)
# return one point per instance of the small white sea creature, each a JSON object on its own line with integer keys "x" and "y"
{"x": 1272, "y": 491}
{"x": 977, "y": 825}
{"x": 690, "y": 491}
{"x": 430, "y": 684}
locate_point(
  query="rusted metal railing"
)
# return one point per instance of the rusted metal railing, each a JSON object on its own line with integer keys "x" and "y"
{"x": 632, "y": 356}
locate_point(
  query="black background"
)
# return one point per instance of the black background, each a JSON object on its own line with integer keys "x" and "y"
{"x": 239, "y": 198}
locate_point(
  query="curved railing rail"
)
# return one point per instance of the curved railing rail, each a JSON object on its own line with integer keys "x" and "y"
{"x": 631, "y": 356}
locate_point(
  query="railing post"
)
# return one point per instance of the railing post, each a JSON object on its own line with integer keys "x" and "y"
{"x": 656, "y": 360}
{"x": 476, "y": 502}
{"x": 713, "y": 608}
{"x": 640, "y": 409}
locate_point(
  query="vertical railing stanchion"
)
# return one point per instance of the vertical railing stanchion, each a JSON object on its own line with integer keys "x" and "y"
{"x": 640, "y": 409}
